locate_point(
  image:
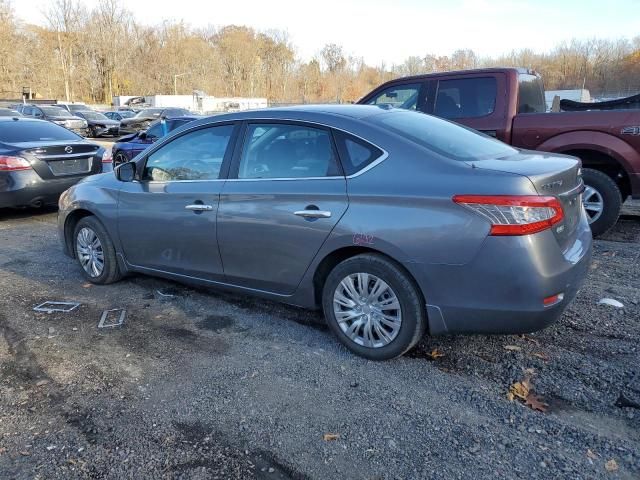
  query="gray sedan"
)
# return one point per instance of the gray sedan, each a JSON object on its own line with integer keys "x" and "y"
{"x": 395, "y": 223}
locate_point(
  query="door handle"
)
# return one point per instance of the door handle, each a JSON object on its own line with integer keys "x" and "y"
{"x": 313, "y": 213}
{"x": 198, "y": 207}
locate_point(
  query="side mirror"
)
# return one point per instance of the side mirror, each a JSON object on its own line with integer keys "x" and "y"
{"x": 126, "y": 172}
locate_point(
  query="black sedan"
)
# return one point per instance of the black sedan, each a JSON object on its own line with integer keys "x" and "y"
{"x": 143, "y": 118}
{"x": 99, "y": 124}
{"x": 57, "y": 115}
{"x": 39, "y": 160}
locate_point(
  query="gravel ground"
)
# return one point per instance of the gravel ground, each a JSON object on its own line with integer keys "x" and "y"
{"x": 210, "y": 385}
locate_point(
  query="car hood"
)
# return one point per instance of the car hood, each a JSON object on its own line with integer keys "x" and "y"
{"x": 104, "y": 122}
{"x": 57, "y": 118}
{"x": 127, "y": 121}
{"x": 127, "y": 138}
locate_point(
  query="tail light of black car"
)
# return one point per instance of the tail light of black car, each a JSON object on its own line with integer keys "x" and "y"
{"x": 13, "y": 164}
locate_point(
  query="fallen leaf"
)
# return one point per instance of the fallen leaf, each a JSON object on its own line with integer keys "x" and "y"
{"x": 42, "y": 382}
{"x": 2, "y": 450}
{"x": 541, "y": 356}
{"x": 513, "y": 348}
{"x": 328, "y": 437}
{"x": 24, "y": 453}
{"x": 530, "y": 371}
{"x": 435, "y": 353}
{"x": 510, "y": 397}
{"x": 611, "y": 465}
{"x": 590, "y": 454}
{"x": 520, "y": 389}
{"x": 87, "y": 285}
{"x": 535, "y": 402}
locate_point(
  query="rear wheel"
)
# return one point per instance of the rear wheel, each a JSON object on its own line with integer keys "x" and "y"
{"x": 95, "y": 252}
{"x": 602, "y": 200}
{"x": 374, "y": 307}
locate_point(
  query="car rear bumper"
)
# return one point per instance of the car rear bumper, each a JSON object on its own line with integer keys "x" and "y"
{"x": 26, "y": 188}
{"x": 503, "y": 288}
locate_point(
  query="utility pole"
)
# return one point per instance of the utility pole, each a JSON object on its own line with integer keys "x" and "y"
{"x": 175, "y": 82}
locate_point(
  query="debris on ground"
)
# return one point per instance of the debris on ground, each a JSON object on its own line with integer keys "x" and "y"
{"x": 329, "y": 437}
{"x": 610, "y": 301}
{"x": 50, "y": 307}
{"x": 112, "y": 318}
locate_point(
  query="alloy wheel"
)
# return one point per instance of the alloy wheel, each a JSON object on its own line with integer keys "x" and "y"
{"x": 367, "y": 310}
{"x": 90, "y": 252}
{"x": 593, "y": 203}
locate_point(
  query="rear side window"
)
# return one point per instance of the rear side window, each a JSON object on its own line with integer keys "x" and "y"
{"x": 530, "y": 94}
{"x": 32, "y": 131}
{"x": 398, "y": 96}
{"x": 466, "y": 97}
{"x": 355, "y": 154}
{"x": 446, "y": 138}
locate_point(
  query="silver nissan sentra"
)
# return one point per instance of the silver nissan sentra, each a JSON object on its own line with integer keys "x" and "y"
{"x": 395, "y": 223}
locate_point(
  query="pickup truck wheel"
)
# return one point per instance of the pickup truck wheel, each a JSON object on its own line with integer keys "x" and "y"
{"x": 602, "y": 200}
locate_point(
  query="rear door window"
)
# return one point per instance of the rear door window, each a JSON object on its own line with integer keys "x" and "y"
{"x": 399, "y": 96}
{"x": 466, "y": 97}
{"x": 287, "y": 151}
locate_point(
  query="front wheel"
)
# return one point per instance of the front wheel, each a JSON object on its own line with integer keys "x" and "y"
{"x": 374, "y": 307}
{"x": 602, "y": 200}
{"x": 95, "y": 252}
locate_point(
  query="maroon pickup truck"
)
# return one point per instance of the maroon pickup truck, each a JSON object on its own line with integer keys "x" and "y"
{"x": 509, "y": 104}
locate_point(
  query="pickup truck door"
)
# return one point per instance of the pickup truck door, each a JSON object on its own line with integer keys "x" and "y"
{"x": 474, "y": 100}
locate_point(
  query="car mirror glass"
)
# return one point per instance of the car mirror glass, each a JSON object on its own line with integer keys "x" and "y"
{"x": 126, "y": 172}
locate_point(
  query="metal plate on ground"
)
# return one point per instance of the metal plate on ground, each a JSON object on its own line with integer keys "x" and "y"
{"x": 112, "y": 318}
{"x": 49, "y": 307}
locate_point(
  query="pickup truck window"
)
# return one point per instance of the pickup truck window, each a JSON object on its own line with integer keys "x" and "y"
{"x": 530, "y": 94}
{"x": 466, "y": 97}
{"x": 445, "y": 138}
{"x": 399, "y": 96}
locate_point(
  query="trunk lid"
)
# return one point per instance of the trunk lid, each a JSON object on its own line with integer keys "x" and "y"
{"x": 551, "y": 175}
{"x": 62, "y": 158}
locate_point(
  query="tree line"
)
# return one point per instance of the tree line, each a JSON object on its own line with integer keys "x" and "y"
{"x": 92, "y": 54}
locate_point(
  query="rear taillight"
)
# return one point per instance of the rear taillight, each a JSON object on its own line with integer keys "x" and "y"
{"x": 106, "y": 157}
{"x": 514, "y": 214}
{"x": 13, "y": 164}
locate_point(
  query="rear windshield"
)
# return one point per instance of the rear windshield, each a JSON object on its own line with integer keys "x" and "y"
{"x": 446, "y": 138}
{"x": 55, "y": 111}
{"x": 33, "y": 131}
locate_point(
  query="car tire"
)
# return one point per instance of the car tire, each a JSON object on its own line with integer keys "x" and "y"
{"x": 412, "y": 314}
{"x": 86, "y": 230}
{"x": 600, "y": 189}
{"x": 93, "y": 132}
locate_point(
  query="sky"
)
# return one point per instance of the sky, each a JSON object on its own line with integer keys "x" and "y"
{"x": 389, "y": 31}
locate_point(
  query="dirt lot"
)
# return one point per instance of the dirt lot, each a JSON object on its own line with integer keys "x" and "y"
{"x": 209, "y": 385}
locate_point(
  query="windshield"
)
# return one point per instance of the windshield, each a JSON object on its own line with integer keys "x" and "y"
{"x": 149, "y": 112}
{"x": 93, "y": 116}
{"x": 55, "y": 111}
{"x": 126, "y": 114}
{"x": 443, "y": 137}
{"x": 34, "y": 131}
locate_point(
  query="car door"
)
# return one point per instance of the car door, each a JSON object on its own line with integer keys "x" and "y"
{"x": 167, "y": 218}
{"x": 472, "y": 101}
{"x": 284, "y": 195}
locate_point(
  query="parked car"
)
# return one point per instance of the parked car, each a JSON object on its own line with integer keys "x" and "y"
{"x": 509, "y": 104}
{"x": 7, "y": 112}
{"x": 56, "y": 115}
{"x": 39, "y": 160}
{"x": 119, "y": 115}
{"x": 99, "y": 125}
{"x": 74, "y": 107}
{"x": 131, "y": 145}
{"x": 142, "y": 120}
{"x": 394, "y": 222}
